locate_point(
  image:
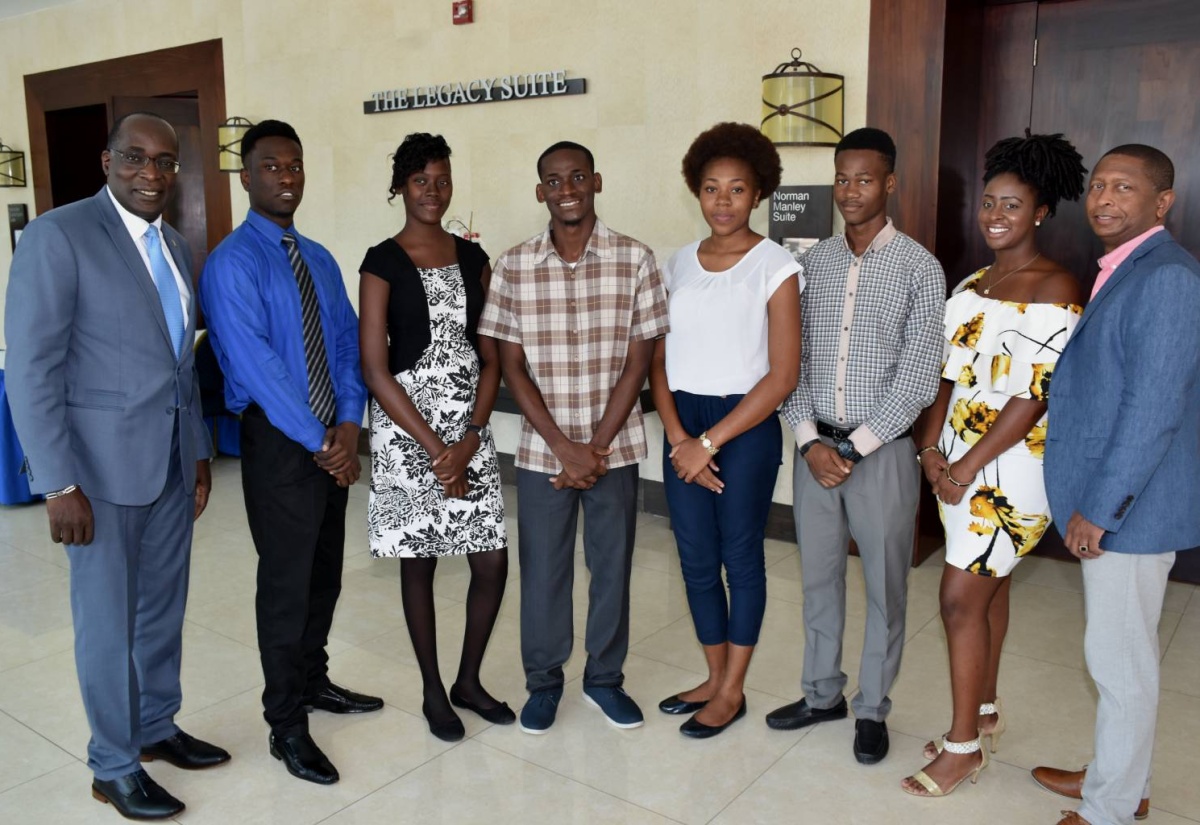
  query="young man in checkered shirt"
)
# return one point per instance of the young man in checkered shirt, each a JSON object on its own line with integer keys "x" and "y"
{"x": 576, "y": 310}
{"x": 871, "y": 360}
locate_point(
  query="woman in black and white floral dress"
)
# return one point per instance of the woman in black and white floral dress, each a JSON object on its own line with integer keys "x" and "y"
{"x": 435, "y": 483}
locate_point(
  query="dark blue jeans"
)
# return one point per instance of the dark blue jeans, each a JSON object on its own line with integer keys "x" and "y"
{"x": 713, "y": 530}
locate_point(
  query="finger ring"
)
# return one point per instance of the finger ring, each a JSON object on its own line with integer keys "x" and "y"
{"x": 1083, "y": 548}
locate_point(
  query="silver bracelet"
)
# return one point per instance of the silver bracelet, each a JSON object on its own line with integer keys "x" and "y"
{"x": 65, "y": 491}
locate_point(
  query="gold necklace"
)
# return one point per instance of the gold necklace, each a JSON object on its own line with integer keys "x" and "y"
{"x": 990, "y": 286}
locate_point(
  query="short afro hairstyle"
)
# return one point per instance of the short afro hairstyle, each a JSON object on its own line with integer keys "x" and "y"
{"x": 870, "y": 138}
{"x": 1158, "y": 166}
{"x": 572, "y": 146}
{"x": 267, "y": 129}
{"x": 1047, "y": 163}
{"x": 114, "y": 133}
{"x": 413, "y": 154}
{"x": 740, "y": 142}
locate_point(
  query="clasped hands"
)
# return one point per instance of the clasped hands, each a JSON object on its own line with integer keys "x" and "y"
{"x": 450, "y": 465}
{"x": 583, "y": 464}
{"x": 693, "y": 464}
{"x": 938, "y": 471}
{"x": 339, "y": 453}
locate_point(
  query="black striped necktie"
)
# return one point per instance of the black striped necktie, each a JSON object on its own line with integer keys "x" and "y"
{"x": 320, "y": 386}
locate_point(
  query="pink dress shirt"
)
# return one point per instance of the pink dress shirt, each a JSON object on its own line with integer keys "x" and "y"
{"x": 1110, "y": 262}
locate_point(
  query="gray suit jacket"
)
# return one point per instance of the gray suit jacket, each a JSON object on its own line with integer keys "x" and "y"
{"x": 92, "y": 376}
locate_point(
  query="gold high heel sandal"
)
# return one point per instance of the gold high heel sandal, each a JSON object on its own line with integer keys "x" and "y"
{"x": 932, "y": 788}
{"x": 993, "y": 735}
{"x": 932, "y": 749}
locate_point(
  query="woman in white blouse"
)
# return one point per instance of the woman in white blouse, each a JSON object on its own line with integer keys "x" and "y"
{"x": 731, "y": 358}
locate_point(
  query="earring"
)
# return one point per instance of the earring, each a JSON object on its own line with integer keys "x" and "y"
{"x": 1037, "y": 223}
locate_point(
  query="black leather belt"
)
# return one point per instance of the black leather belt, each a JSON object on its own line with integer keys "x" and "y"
{"x": 838, "y": 434}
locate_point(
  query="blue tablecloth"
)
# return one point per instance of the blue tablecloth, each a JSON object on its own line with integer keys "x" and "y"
{"x": 14, "y": 488}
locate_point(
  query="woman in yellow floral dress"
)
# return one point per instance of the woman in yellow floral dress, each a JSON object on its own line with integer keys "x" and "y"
{"x": 981, "y": 443}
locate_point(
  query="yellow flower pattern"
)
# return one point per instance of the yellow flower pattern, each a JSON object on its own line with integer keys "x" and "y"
{"x": 971, "y": 420}
{"x": 1039, "y": 387}
{"x": 967, "y": 376}
{"x": 1036, "y": 440}
{"x": 967, "y": 335}
{"x": 998, "y": 516}
{"x": 1001, "y": 366}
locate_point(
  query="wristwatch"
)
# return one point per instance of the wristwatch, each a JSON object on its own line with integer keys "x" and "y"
{"x": 475, "y": 428}
{"x": 808, "y": 445}
{"x": 846, "y": 450}
{"x": 707, "y": 444}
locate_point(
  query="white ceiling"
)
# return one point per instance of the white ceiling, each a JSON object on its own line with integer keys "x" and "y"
{"x": 12, "y": 8}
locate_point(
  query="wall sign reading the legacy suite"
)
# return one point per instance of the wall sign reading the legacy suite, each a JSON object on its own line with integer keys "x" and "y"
{"x": 482, "y": 90}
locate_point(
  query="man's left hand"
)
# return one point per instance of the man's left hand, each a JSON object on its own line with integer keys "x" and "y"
{"x": 1083, "y": 538}
{"x": 203, "y": 485}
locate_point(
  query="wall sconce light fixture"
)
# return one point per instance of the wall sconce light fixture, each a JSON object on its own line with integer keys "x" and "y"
{"x": 802, "y": 105}
{"x": 12, "y": 166}
{"x": 229, "y": 136}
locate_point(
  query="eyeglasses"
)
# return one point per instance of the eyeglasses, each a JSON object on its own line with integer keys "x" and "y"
{"x": 136, "y": 161}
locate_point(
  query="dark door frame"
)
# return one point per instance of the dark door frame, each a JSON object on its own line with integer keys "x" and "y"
{"x": 197, "y": 67}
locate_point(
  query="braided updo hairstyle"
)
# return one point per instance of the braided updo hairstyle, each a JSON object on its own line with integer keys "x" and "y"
{"x": 1048, "y": 163}
{"x": 417, "y": 150}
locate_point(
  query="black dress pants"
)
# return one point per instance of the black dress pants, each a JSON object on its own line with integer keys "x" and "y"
{"x": 297, "y": 517}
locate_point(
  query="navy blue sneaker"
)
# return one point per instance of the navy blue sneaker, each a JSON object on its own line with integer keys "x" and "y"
{"x": 540, "y": 709}
{"x": 616, "y": 705}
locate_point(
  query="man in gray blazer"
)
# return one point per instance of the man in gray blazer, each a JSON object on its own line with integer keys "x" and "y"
{"x": 1121, "y": 454}
{"x": 100, "y": 321}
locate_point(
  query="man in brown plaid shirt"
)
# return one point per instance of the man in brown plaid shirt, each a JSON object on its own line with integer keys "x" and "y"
{"x": 576, "y": 310}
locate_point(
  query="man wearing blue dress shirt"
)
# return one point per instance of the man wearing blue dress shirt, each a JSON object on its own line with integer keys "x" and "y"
{"x": 286, "y": 338}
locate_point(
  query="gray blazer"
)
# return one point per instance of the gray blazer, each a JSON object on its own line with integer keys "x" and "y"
{"x": 92, "y": 376}
{"x": 1123, "y": 439}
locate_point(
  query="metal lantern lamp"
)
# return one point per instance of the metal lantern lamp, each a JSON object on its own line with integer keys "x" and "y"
{"x": 802, "y": 105}
{"x": 12, "y": 166}
{"x": 229, "y": 136}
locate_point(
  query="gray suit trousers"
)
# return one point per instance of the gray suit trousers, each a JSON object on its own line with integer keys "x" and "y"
{"x": 128, "y": 594}
{"x": 1123, "y": 594}
{"x": 877, "y": 507}
{"x": 546, "y": 520}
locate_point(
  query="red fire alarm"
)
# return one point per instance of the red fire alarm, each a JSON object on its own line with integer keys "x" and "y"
{"x": 464, "y": 11}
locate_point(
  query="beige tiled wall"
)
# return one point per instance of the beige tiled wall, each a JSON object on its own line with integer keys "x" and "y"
{"x": 658, "y": 72}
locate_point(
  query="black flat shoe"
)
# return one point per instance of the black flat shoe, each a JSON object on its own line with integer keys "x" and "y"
{"x": 303, "y": 759}
{"x": 136, "y": 796}
{"x": 800, "y": 715}
{"x": 501, "y": 714}
{"x": 677, "y": 707}
{"x": 448, "y": 730}
{"x": 871, "y": 741}
{"x": 335, "y": 699}
{"x": 184, "y": 751}
{"x": 699, "y": 730}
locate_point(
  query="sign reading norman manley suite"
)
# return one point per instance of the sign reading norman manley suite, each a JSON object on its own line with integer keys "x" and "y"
{"x": 480, "y": 90}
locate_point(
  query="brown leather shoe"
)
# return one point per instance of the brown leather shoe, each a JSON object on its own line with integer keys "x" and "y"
{"x": 1070, "y": 785}
{"x": 1072, "y": 818}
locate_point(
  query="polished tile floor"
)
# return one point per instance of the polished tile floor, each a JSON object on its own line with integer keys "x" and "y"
{"x": 583, "y": 771}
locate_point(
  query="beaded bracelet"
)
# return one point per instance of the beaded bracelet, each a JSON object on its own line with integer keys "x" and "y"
{"x": 952, "y": 481}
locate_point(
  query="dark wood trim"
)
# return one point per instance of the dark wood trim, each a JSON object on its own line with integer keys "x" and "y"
{"x": 196, "y": 68}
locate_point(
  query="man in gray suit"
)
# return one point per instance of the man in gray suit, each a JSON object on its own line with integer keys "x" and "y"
{"x": 100, "y": 321}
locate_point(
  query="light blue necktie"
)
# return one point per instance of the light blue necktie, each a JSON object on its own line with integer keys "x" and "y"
{"x": 168, "y": 290}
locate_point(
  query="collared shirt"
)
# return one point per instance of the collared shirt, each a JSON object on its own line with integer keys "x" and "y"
{"x": 872, "y": 338}
{"x": 575, "y": 324}
{"x": 136, "y": 227}
{"x": 252, "y": 304}
{"x": 1110, "y": 262}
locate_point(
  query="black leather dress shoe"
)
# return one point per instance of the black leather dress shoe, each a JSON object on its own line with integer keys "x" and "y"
{"x": 870, "y": 741}
{"x": 187, "y": 752}
{"x": 136, "y": 796}
{"x": 334, "y": 699}
{"x": 677, "y": 707}
{"x": 699, "y": 730}
{"x": 800, "y": 715}
{"x": 501, "y": 714}
{"x": 303, "y": 759}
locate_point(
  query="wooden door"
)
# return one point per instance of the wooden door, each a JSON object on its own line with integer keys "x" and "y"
{"x": 186, "y": 210}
